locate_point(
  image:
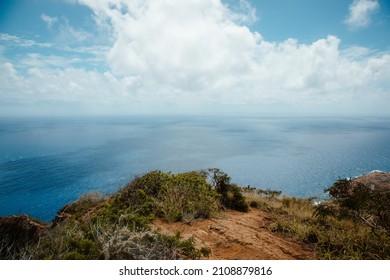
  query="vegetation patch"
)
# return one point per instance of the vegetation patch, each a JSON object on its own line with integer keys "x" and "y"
{"x": 230, "y": 195}
{"x": 117, "y": 226}
{"x": 352, "y": 224}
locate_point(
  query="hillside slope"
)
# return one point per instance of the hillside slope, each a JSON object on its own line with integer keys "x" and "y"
{"x": 377, "y": 180}
{"x": 202, "y": 215}
{"x": 239, "y": 236}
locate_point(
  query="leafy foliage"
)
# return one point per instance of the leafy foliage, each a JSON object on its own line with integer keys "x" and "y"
{"x": 353, "y": 200}
{"x": 118, "y": 226}
{"x": 187, "y": 196}
{"x": 230, "y": 194}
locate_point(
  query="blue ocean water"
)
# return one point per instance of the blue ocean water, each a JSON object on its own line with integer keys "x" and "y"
{"x": 46, "y": 163}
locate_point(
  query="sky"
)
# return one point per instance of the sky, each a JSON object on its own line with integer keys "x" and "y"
{"x": 86, "y": 57}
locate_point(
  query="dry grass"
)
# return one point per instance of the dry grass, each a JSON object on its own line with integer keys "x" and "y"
{"x": 330, "y": 237}
{"x": 117, "y": 227}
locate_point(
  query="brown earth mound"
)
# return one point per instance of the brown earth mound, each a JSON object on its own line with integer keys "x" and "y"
{"x": 377, "y": 180}
{"x": 17, "y": 231}
{"x": 239, "y": 236}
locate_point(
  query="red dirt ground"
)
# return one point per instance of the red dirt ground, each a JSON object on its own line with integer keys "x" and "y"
{"x": 239, "y": 236}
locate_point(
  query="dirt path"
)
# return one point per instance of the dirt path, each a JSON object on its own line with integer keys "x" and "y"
{"x": 237, "y": 235}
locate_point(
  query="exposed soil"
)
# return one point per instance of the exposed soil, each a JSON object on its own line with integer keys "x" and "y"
{"x": 239, "y": 236}
{"x": 376, "y": 180}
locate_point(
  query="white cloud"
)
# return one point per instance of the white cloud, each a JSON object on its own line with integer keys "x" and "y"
{"x": 8, "y": 70}
{"x": 71, "y": 35}
{"x": 197, "y": 52}
{"x": 360, "y": 12}
{"x": 197, "y": 48}
{"x": 50, "y": 21}
{"x": 74, "y": 38}
{"x": 60, "y": 85}
{"x": 243, "y": 12}
{"x": 21, "y": 42}
{"x": 50, "y": 61}
{"x": 181, "y": 44}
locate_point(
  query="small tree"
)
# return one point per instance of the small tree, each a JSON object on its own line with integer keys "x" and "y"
{"x": 230, "y": 194}
{"x": 354, "y": 200}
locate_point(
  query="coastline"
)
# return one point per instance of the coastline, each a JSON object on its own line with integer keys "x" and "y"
{"x": 141, "y": 212}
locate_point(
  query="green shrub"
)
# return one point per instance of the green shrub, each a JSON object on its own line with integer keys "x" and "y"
{"x": 337, "y": 228}
{"x": 118, "y": 226}
{"x": 83, "y": 204}
{"x": 235, "y": 200}
{"x": 205, "y": 251}
{"x": 230, "y": 194}
{"x": 82, "y": 249}
{"x": 353, "y": 200}
{"x": 173, "y": 197}
{"x": 187, "y": 196}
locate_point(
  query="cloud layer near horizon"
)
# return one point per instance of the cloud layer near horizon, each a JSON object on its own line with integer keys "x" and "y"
{"x": 197, "y": 52}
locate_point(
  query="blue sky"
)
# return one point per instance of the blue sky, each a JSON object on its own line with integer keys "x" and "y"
{"x": 122, "y": 57}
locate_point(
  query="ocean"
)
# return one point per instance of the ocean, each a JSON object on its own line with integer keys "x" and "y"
{"x": 48, "y": 162}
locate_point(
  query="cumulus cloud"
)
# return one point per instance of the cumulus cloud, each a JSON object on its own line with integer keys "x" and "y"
{"x": 360, "y": 12}
{"x": 199, "y": 48}
{"x": 198, "y": 52}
